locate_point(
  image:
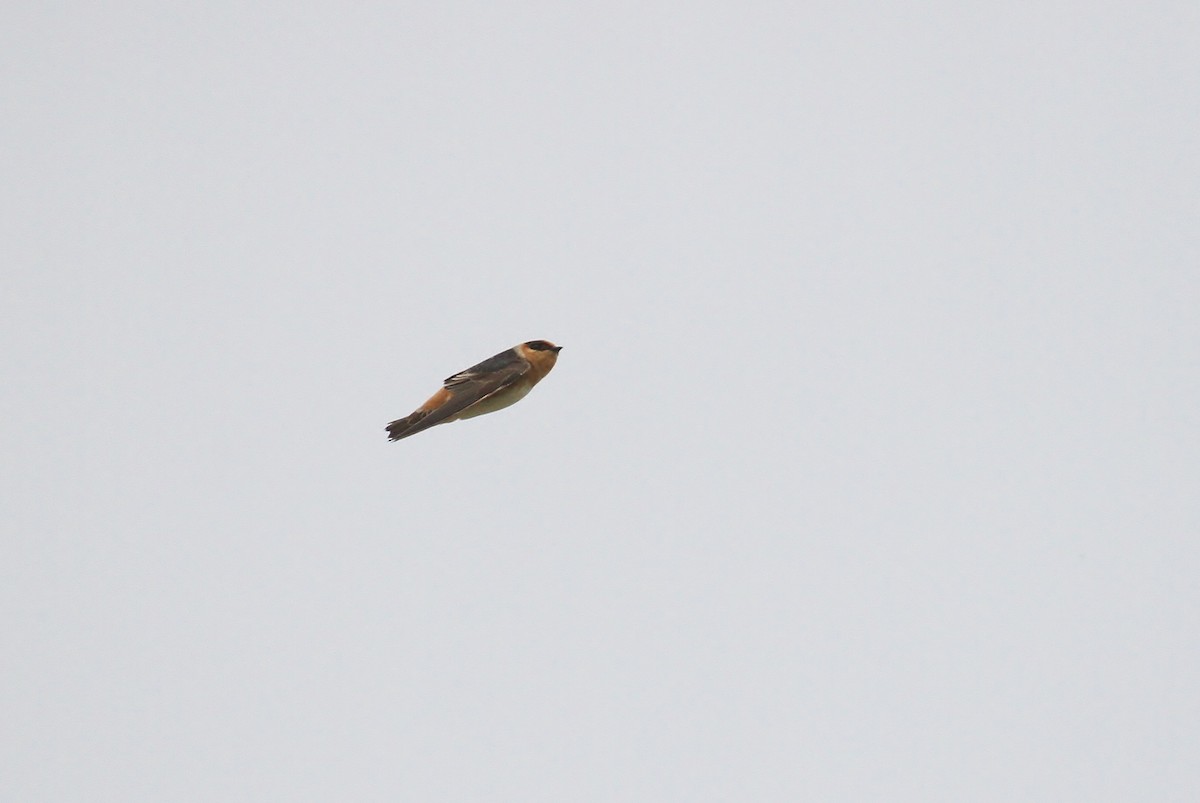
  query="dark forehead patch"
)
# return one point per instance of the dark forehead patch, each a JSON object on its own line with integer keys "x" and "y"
{"x": 540, "y": 345}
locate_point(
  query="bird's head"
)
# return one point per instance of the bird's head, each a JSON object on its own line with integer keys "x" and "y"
{"x": 542, "y": 354}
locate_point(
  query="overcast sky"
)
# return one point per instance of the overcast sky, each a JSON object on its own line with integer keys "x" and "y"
{"x": 870, "y": 469}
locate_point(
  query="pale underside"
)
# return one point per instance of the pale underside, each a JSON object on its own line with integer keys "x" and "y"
{"x": 497, "y": 401}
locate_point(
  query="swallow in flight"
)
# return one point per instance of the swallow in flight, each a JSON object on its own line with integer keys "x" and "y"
{"x": 492, "y": 385}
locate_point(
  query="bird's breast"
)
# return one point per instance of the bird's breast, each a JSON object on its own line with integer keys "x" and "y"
{"x": 498, "y": 401}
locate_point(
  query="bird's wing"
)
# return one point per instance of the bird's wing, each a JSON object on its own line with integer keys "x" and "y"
{"x": 501, "y": 363}
{"x": 464, "y": 389}
{"x": 468, "y": 387}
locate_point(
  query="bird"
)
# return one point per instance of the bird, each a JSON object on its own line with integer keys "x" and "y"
{"x": 491, "y": 385}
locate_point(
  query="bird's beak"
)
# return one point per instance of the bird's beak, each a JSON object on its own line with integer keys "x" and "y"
{"x": 557, "y": 349}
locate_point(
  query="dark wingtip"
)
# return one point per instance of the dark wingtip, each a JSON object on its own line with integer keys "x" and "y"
{"x": 395, "y": 430}
{"x": 403, "y": 427}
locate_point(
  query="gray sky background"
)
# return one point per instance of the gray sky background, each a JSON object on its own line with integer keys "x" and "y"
{"x": 868, "y": 472}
